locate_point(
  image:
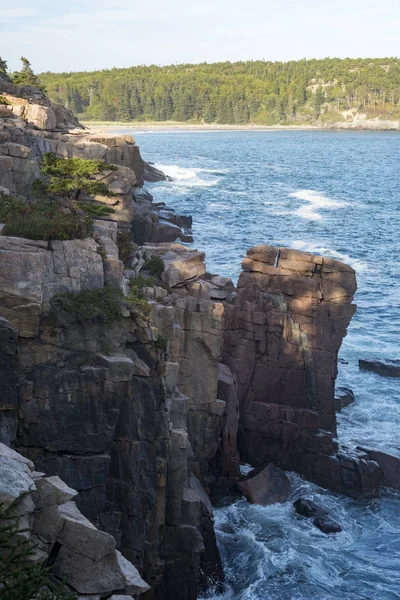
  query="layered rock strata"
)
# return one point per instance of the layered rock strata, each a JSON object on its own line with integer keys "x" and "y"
{"x": 283, "y": 331}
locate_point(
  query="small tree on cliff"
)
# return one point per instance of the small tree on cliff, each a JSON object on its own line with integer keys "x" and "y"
{"x": 4, "y": 69}
{"x": 26, "y": 76}
{"x": 70, "y": 177}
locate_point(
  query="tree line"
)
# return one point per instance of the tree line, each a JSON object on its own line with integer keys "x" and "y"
{"x": 259, "y": 92}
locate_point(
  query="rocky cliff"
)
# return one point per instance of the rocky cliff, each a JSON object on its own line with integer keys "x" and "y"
{"x": 149, "y": 413}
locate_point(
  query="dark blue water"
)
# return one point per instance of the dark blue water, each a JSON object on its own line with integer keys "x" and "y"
{"x": 332, "y": 193}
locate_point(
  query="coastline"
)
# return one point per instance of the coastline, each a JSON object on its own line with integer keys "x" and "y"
{"x": 359, "y": 125}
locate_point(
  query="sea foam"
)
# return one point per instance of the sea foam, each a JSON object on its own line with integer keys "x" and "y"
{"x": 315, "y": 201}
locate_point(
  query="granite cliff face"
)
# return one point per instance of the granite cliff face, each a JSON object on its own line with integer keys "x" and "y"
{"x": 146, "y": 416}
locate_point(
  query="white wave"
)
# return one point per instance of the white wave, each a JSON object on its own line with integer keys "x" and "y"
{"x": 315, "y": 201}
{"x": 321, "y": 250}
{"x": 192, "y": 177}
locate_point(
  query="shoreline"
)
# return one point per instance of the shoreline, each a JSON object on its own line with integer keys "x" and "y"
{"x": 377, "y": 126}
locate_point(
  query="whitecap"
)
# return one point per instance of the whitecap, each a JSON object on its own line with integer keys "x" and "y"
{"x": 191, "y": 177}
{"x": 315, "y": 200}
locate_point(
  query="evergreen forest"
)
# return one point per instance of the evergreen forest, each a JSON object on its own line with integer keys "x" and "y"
{"x": 295, "y": 92}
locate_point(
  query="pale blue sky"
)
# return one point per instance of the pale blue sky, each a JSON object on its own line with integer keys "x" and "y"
{"x": 95, "y": 34}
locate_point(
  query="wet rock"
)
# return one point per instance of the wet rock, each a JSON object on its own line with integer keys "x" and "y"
{"x": 385, "y": 368}
{"x": 321, "y": 519}
{"x": 343, "y": 397}
{"x": 152, "y": 174}
{"x": 269, "y": 486}
{"x": 389, "y": 464}
{"x": 327, "y": 525}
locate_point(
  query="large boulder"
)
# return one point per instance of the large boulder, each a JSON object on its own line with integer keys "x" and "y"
{"x": 265, "y": 487}
{"x": 182, "y": 265}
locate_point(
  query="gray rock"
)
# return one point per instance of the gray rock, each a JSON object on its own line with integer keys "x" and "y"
{"x": 15, "y": 480}
{"x": 52, "y": 491}
{"x": 134, "y": 584}
{"x": 80, "y": 535}
{"x": 5, "y": 451}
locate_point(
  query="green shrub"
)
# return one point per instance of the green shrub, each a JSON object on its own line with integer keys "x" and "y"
{"x": 97, "y": 210}
{"x": 155, "y": 266}
{"x": 136, "y": 299}
{"x": 103, "y": 304}
{"x": 41, "y": 220}
{"x": 161, "y": 343}
{"x": 126, "y": 247}
{"x": 3, "y": 100}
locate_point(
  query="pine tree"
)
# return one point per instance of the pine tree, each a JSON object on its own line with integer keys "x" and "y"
{"x": 3, "y": 70}
{"x": 71, "y": 177}
{"x": 317, "y": 102}
{"x": 26, "y": 76}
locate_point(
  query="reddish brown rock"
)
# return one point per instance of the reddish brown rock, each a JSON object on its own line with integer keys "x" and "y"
{"x": 282, "y": 334}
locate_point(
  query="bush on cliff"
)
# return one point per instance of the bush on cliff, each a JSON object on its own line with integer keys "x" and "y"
{"x": 70, "y": 177}
{"x": 155, "y": 266}
{"x": 136, "y": 299}
{"x": 20, "y": 577}
{"x": 103, "y": 304}
{"x": 42, "y": 220}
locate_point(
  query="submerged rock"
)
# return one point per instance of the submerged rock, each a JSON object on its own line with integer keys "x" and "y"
{"x": 321, "y": 519}
{"x": 265, "y": 487}
{"x": 343, "y": 397}
{"x": 385, "y": 368}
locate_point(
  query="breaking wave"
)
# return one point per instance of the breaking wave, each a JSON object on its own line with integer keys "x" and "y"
{"x": 315, "y": 202}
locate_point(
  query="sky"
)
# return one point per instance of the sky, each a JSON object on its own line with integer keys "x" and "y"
{"x": 86, "y": 35}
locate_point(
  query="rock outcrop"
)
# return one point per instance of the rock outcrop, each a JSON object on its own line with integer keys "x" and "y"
{"x": 283, "y": 330}
{"x": 82, "y": 557}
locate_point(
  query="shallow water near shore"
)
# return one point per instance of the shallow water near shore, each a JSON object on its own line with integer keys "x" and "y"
{"x": 335, "y": 194}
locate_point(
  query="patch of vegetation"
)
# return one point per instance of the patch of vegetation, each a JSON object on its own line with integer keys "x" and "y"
{"x": 96, "y": 210}
{"x": 103, "y": 304}
{"x": 41, "y": 220}
{"x": 155, "y": 266}
{"x": 3, "y": 100}
{"x": 136, "y": 299}
{"x": 161, "y": 343}
{"x": 126, "y": 247}
{"x": 102, "y": 252}
{"x": 71, "y": 177}
{"x": 26, "y": 76}
{"x": 20, "y": 577}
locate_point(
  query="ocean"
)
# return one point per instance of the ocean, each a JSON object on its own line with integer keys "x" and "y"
{"x": 336, "y": 194}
